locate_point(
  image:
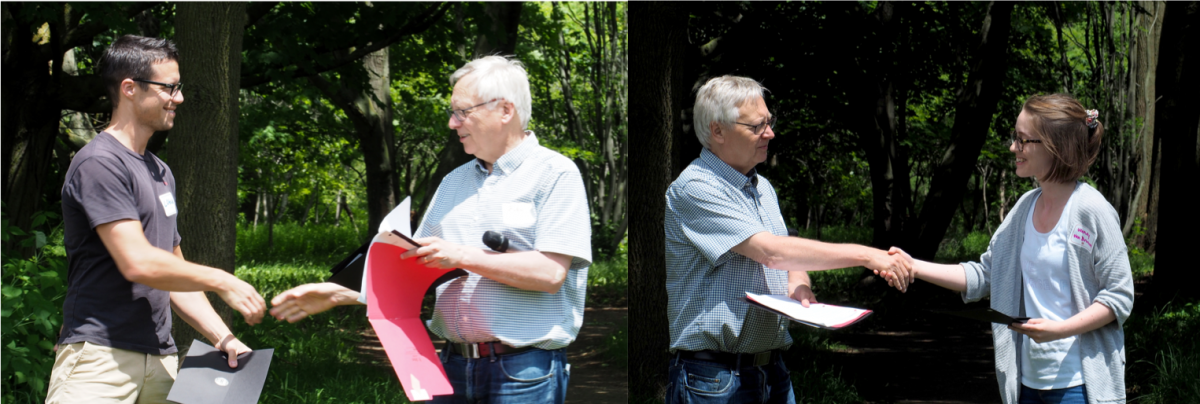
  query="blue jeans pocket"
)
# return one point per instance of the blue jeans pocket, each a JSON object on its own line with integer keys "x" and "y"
{"x": 528, "y": 367}
{"x": 706, "y": 379}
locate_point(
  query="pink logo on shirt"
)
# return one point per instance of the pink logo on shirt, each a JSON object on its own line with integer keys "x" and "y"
{"x": 1083, "y": 236}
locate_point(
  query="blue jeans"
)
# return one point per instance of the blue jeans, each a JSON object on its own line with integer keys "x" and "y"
{"x": 534, "y": 376}
{"x": 696, "y": 381}
{"x": 1070, "y": 395}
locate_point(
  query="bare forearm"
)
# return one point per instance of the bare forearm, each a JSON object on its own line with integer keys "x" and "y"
{"x": 797, "y": 279}
{"x": 1091, "y": 318}
{"x": 146, "y": 264}
{"x": 952, "y": 276}
{"x": 799, "y": 254}
{"x": 529, "y": 270}
{"x": 195, "y": 309}
{"x": 164, "y": 271}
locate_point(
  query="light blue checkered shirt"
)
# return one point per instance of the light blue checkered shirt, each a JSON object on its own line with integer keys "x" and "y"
{"x": 535, "y": 197}
{"x": 711, "y": 208}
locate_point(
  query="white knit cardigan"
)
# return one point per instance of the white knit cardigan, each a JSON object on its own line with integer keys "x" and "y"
{"x": 1098, "y": 265}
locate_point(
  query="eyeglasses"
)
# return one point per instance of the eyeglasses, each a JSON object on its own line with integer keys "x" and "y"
{"x": 1021, "y": 142}
{"x": 460, "y": 115}
{"x": 174, "y": 88}
{"x": 762, "y": 127}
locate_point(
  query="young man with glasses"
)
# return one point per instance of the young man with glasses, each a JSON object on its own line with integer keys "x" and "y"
{"x": 126, "y": 268}
{"x": 508, "y": 322}
{"x": 725, "y": 236}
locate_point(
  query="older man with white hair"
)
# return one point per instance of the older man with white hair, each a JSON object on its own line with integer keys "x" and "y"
{"x": 508, "y": 322}
{"x": 725, "y": 236}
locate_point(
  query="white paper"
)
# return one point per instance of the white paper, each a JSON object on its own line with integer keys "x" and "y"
{"x": 397, "y": 219}
{"x": 817, "y": 314}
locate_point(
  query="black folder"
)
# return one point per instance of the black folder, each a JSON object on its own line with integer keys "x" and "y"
{"x": 986, "y": 314}
{"x": 207, "y": 378}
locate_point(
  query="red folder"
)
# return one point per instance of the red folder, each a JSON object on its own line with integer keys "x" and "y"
{"x": 395, "y": 288}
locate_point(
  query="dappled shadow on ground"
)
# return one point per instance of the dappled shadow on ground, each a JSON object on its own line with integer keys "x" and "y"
{"x": 912, "y": 355}
{"x": 593, "y": 379}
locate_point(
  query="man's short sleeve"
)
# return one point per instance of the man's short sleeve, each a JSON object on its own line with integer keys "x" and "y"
{"x": 712, "y": 220}
{"x": 100, "y": 187}
{"x": 563, "y": 223}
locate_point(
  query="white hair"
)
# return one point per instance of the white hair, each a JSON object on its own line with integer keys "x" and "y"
{"x": 718, "y": 101}
{"x": 499, "y": 77}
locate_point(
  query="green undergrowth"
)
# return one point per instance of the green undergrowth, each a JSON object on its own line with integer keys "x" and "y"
{"x": 1163, "y": 354}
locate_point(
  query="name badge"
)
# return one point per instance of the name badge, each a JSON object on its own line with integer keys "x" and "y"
{"x": 519, "y": 214}
{"x": 1083, "y": 237}
{"x": 168, "y": 202}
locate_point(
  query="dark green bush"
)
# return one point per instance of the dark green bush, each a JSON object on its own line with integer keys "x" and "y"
{"x": 33, "y": 293}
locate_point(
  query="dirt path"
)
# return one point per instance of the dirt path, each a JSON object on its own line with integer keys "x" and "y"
{"x": 593, "y": 380}
{"x": 916, "y": 356}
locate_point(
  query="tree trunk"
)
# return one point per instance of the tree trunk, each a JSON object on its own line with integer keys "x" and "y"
{"x": 658, "y": 42}
{"x": 974, "y": 107}
{"x": 1177, "y": 126}
{"x": 1142, "y": 101}
{"x": 209, "y": 36}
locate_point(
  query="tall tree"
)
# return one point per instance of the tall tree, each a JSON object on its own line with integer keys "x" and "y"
{"x": 1177, "y": 127}
{"x": 205, "y": 137}
{"x": 369, "y": 107}
{"x": 657, "y": 45}
{"x": 974, "y": 106}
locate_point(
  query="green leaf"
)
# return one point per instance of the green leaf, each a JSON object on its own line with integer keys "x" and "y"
{"x": 41, "y": 239}
{"x": 10, "y": 291}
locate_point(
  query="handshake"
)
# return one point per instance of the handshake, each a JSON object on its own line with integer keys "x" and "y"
{"x": 896, "y": 266}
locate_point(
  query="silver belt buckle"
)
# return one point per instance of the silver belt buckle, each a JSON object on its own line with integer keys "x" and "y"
{"x": 762, "y": 358}
{"x": 468, "y": 350}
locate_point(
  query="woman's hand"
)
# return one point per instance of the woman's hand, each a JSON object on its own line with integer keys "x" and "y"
{"x": 1042, "y": 330}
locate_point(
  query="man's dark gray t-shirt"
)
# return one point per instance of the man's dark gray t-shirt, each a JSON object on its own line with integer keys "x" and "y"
{"x": 108, "y": 182}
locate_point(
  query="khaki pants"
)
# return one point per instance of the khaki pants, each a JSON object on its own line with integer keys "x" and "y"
{"x": 88, "y": 373}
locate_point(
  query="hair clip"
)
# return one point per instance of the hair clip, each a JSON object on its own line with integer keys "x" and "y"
{"x": 1091, "y": 118}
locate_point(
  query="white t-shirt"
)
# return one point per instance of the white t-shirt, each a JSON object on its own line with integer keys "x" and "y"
{"x": 1055, "y": 364}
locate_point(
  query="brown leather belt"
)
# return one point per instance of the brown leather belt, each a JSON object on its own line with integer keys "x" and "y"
{"x": 733, "y": 360}
{"x": 484, "y": 349}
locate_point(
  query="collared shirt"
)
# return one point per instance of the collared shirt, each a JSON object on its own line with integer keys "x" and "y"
{"x": 711, "y": 208}
{"x": 535, "y": 197}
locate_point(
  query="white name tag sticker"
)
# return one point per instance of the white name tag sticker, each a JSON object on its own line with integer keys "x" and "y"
{"x": 1083, "y": 237}
{"x": 168, "y": 202}
{"x": 519, "y": 214}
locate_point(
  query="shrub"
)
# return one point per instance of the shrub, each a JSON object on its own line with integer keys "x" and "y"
{"x": 33, "y": 293}
{"x": 293, "y": 242}
{"x": 1163, "y": 357}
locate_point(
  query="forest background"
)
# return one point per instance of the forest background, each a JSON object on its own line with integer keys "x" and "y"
{"x": 894, "y": 122}
{"x": 303, "y": 125}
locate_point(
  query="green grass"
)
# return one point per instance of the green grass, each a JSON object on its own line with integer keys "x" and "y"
{"x": 315, "y": 360}
{"x": 292, "y": 242}
{"x": 608, "y": 282}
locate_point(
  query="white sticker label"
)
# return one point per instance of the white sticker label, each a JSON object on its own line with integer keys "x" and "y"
{"x": 168, "y": 202}
{"x": 1083, "y": 238}
{"x": 519, "y": 214}
{"x": 221, "y": 381}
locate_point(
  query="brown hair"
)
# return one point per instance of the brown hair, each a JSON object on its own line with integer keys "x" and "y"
{"x": 131, "y": 57}
{"x": 1060, "y": 121}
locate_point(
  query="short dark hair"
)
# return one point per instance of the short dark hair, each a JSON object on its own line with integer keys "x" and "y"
{"x": 131, "y": 57}
{"x": 1061, "y": 123}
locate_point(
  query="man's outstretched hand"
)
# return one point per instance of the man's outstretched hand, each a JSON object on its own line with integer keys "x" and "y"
{"x": 305, "y": 300}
